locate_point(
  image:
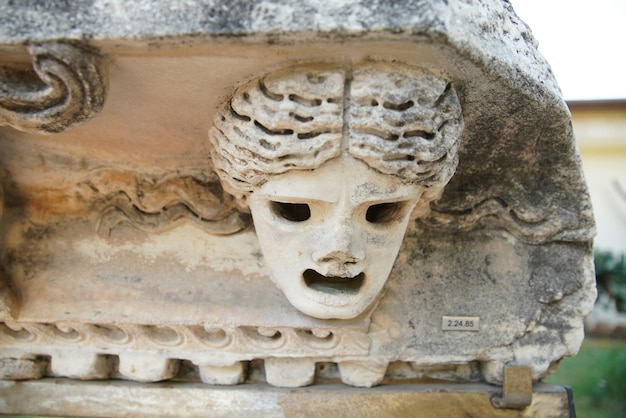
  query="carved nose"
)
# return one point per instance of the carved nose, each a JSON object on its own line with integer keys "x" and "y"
{"x": 344, "y": 257}
{"x": 340, "y": 247}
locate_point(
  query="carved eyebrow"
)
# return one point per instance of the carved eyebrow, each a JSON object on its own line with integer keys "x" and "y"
{"x": 296, "y": 199}
{"x": 393, "y": 197}
{"x": 389, "y": 199}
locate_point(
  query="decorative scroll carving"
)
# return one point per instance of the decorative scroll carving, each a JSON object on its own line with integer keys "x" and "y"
{"x": 182, "y": 341}
{"x": 71, "y": 89}
{"x": 219, "y": 355}
{"x": 530, "y": 227}
{"x": 533, "y": 225}
{"x": 156, "y": 203}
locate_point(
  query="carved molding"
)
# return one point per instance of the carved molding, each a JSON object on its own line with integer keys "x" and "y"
{"x": 220, "y": 355}
{"x": 531, "y": 226}
{"x": 158, "y": 202}
{"x": 179, "y": 341}
{"x": 535, "y": 225}
{"x": 67, "y": 88}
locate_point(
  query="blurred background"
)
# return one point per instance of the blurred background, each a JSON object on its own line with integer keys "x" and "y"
{"x": 584, "y": 43}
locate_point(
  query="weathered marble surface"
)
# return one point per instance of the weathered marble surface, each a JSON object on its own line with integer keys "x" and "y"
{"x": 122, "y": 249}
{"x": 93, "y": 399}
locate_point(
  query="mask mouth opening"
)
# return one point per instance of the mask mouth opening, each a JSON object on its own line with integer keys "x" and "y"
{"x": 333, "y": 284}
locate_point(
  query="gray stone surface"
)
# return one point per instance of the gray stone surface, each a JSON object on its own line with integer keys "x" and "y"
{"x": 487, "y": 30}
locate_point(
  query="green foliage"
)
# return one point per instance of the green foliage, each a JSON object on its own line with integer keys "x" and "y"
{"x": 611, "y": 277}
{"x": 597, "y": 376}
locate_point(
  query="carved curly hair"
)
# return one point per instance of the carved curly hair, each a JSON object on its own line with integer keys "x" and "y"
{"x": 399, "y": 119}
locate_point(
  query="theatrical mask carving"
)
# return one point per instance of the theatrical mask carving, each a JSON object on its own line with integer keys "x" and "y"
{"x": 333, "y": 162}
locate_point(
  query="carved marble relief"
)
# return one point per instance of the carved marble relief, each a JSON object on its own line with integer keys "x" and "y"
{"x": 341, "y": 210}
{"x": 389, "y": 132}
{"x": 68, "y": 87}
{"x": 156, "y": 203}
{"x": 101, "y": 351}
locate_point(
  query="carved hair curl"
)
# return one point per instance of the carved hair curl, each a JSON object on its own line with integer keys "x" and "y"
{"x": 400, "y": 120}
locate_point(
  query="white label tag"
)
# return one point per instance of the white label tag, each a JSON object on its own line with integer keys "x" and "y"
{"x": 460, "y": 323}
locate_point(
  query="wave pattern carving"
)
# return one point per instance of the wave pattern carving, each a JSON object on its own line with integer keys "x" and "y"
{"x": 156, "y": 203}
{"x": 183, "y": 341}
{"x": 532, "y": 227}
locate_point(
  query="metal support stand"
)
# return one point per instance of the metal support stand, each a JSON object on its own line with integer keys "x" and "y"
{"x": 517, "y": 390}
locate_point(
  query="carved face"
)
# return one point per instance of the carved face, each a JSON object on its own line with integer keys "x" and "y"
{"x": 331, "y": 161}
{"x": 330, "y": 236}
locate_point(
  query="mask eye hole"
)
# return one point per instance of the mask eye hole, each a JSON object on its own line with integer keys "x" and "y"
{"x": 383, "y": 212}
{"x": 294, "y": 212}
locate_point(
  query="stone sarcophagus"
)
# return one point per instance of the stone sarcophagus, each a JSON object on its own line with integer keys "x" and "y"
{"x": 286, "y": 191}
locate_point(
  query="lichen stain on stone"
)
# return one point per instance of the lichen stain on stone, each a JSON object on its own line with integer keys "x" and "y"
{"x": 24, "y": 254}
